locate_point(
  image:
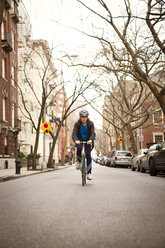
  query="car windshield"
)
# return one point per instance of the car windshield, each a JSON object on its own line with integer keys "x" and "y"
{"x": 144, "y": 151}
{"x": 153, "y": 147}
{"x": 128, "y": 154}
{"x": 163, "y": 146}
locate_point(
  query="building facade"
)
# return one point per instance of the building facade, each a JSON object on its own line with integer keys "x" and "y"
{"x": 9, "y": 122}
{"x": 36, "y": 79}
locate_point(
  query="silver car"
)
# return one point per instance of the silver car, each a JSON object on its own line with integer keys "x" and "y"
{"x": 136, "y": 160}
{"x": 121, "y": 158}
{"x": 109, "y": 159}
{"x": 145, "y": 159}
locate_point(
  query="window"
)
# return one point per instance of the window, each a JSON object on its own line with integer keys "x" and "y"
{"x": 158, "y": 139}
{"x": 13, "y": 40}
{"x": 59, "y": 102}
{"x": 3, "y": 30}
{"x": 128, "y": 154}
{"x": 3, "y": 68}
{"x": 157, "y": 117}
{"x": 5, "y": 147}
{"x": 31, "y": 107}
{"x": 61, "y": 96}
{"x": 13, "y": 115}
{"x": 4, "y": 109}
{"x": 12, "y": 37}
{"x": 12, "y": 75}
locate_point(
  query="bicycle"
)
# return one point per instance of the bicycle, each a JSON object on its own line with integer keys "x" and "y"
{"x": 83, "y": 164}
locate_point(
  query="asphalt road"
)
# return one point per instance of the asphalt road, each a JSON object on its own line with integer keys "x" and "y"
{"x": 118, "y": 209}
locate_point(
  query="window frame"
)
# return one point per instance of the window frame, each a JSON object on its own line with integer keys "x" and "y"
{"x": 153, "y": 117}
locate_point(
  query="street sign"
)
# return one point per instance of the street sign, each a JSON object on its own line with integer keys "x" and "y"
{"x": 119, "y": 139}
{"x": 141, "y": 137}
{"x": 46, "y": 127}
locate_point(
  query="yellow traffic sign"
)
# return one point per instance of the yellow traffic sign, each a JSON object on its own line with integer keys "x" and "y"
{"x": 119, "y": 139}
{"x": 46, "y": 127}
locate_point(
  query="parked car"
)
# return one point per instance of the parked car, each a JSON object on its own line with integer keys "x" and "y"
{"x": 98, "y": 160}
{"x": 157, "y": 162}
{"x": 102, "y": 160}
{"x": 145, "y": 159}
{"x": 136, "y": 160}
{"x": 121, "y": 157}
{"x": 108, "y": 161}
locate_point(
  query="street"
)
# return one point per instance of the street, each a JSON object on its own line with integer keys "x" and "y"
{"x": 118, "y": 209}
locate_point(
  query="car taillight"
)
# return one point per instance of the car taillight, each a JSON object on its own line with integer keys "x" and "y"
{"x": 115, "y": 158}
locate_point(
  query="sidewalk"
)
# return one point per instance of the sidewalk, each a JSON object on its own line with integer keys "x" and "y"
{"x": 9, "y": 174}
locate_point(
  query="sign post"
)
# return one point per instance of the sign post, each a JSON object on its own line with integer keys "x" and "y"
{"x": 46, "y": 127}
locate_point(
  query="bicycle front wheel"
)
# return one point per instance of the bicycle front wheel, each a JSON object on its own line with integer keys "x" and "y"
{"x": 83, "y": 171}
{"x": 83, "y": 178}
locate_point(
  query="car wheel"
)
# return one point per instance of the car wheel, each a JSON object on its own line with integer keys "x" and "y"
{"x": 152, "y": 170}
{"x": 107, "y": 164}
{"x": 142, "y": 170}
{"x": 138, "y": 167}
{"x": 132, "y": 168}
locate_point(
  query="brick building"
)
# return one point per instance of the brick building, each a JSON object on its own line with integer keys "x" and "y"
{"x": 152, "y": 131}
{"x": 63, "y": 134}
{"x": 9, "y": 123}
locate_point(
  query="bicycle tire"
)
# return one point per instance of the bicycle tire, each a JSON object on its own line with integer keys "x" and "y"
{"x": 83, "y": 171}
{"x": 83, "y": 178}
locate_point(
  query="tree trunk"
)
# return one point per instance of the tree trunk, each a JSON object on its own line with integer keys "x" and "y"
{"x": 38, "y": 134}
{"x": 65, "y": 143}
{"x": 50, "y": 160}
{"x": 123, "y": 137}
{"x": 117, "y": 142}
{"x": 110, "y": 144}
{"x": 132, "y": 139}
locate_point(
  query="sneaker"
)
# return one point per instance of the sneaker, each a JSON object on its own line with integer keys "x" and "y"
{"x": 77, "y": 165}
{"x": 89, "y": 177}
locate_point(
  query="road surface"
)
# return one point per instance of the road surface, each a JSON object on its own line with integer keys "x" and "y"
{"x": 118, "y": 209}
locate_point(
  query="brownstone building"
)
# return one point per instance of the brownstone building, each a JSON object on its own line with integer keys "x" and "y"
{"x": 9, "y": 123}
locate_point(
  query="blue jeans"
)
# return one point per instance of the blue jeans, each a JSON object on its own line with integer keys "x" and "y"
{"x": 88, "y": 150}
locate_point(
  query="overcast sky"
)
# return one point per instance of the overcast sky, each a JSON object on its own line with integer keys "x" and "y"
{"x": 45, "y": 15}
{"x": 49, "y": 20}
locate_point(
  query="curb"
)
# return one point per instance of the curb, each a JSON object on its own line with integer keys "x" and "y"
{"x": 12, "y": 177}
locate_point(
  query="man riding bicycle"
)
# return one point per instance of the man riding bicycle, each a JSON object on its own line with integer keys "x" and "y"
{"x": 84, "y": 131}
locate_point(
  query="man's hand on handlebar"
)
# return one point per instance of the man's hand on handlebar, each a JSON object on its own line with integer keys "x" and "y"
{"x": 89, "y": 142}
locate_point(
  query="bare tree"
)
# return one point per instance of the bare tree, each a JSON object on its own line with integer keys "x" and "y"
{"x": 40, "y": 81}
{"x": 155, "y": 17}
{"x": 81, "y": 86}
{"x": 100, "y": 145}
{"x": 141, "y": 54}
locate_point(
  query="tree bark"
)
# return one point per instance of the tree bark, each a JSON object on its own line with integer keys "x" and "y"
{"x": 132, "y": 139}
